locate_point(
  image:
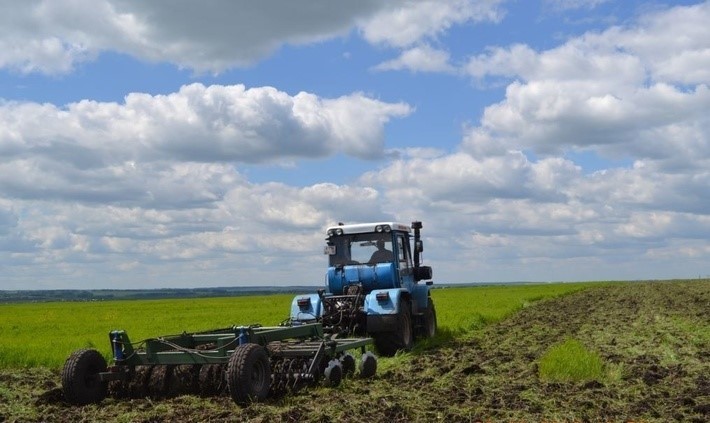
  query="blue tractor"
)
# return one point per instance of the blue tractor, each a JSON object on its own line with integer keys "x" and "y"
{"x": 375, "y": 286}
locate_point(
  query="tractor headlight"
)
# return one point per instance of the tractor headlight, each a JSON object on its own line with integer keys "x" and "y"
{"x": 336, "y": 232}
{"x": 383, "y": 228}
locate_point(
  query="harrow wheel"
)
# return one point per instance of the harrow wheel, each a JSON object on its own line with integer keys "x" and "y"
{"x": 80, "y": 377}
{"x": 249, "y": 374}
{"x": 368, "y": 365}
{"x": 333, "y": 373}
{"x": 348, "y": 362}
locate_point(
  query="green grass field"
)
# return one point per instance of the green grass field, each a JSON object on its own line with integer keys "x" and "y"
{"x": 44, "y": 334}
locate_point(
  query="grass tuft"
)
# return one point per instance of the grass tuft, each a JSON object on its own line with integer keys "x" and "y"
{"x": 570, "y": 361}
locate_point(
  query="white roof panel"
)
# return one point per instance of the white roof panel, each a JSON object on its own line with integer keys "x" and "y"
{"x": 360, "y": 228}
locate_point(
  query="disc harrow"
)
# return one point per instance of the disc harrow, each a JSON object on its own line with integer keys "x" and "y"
{"x": 250, "y": 363}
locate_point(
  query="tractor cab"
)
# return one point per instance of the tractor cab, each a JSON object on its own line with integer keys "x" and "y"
{"x": 375, "y": 256}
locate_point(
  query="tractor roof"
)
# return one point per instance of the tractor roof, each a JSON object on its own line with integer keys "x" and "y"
{"x": 361, "y": 228}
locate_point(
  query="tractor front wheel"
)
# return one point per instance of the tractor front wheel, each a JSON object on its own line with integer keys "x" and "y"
{"x": 249, "y": 374}
{"x": 80, "y": 377}
{"x": 430, "y": 325}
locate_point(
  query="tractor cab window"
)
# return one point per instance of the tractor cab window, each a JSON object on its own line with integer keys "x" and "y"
{"x": 370, "y": 248}
{"x": 403, "y": 254}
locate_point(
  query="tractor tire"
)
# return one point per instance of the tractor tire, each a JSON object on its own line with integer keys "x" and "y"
{"x": 80, "y": 381}
{"x": 402, "y": 338}
{"x": 249, "y": 374}
{"x": 430, "y": 324}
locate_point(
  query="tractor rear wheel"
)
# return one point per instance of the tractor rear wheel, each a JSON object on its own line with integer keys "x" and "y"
{"x": 402, "y": 337}
{"x": 80, "y": 377}
{"x": 249, "y": 374}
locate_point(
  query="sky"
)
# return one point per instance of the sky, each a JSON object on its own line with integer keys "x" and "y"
{"x": 196, "y": 144}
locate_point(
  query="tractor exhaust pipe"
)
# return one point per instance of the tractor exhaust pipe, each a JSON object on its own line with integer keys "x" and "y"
{"x": 418, "y": 244}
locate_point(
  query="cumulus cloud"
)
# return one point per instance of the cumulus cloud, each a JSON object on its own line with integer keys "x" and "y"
{"x": 405, "y": 24}
{"x": 140, "y": 150}
{"x": 511, "y": 197}
{"x": 129, "y": 186}
{"x": 48, "y": 37}
{"x": 639, "y": 91}
{"x": 150, "y": 189}
{"x": 225, "y": 242}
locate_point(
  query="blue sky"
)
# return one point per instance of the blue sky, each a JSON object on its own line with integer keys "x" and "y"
{"x": 186, "y": 144}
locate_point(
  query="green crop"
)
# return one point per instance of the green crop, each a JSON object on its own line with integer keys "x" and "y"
{"x": 44, "y": 334}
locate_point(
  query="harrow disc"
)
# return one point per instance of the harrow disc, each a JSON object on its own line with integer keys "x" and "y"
{"x": 138, "y": 384}
{"x": 211, "y": 380}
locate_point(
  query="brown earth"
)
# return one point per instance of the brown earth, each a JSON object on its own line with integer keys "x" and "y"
{"x": 653, "y": 337}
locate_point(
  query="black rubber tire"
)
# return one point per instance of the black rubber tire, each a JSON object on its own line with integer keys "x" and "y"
{"x": 368, "y": 365}
{"x": 249, "y": 374}
{"x": 333, "y": 374}
{"x": 430, "y": 324}
{"x": 80, "y": 382}
{"x": 402, "y": 338}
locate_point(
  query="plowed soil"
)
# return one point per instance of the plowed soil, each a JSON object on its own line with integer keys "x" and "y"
{"x": 654, "y": 339}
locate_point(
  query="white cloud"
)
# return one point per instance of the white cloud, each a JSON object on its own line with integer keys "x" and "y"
{"x": 53, "y": 37}
{"x": 407, "y": 23}
{"x": 496, "y": 211}
{"x": 195, "y": 124}
{"x": 422, "y": 58}
{"x": 639, "y": 91}
{"x": 150, "y": 190}
{"x": 130, "y": 187}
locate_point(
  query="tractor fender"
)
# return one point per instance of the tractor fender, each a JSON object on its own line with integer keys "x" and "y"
{"x": 420, "y": 298}
{"x": 382, "y": 307}
{"x": 306, "y": 308}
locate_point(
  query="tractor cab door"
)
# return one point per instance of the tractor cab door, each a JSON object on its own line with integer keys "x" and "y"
{"x": 404, "y": 261}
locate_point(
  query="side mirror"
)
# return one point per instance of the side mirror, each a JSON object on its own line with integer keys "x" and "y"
{"x": 422, "y": 273}
{"x": 419, "y": 246}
